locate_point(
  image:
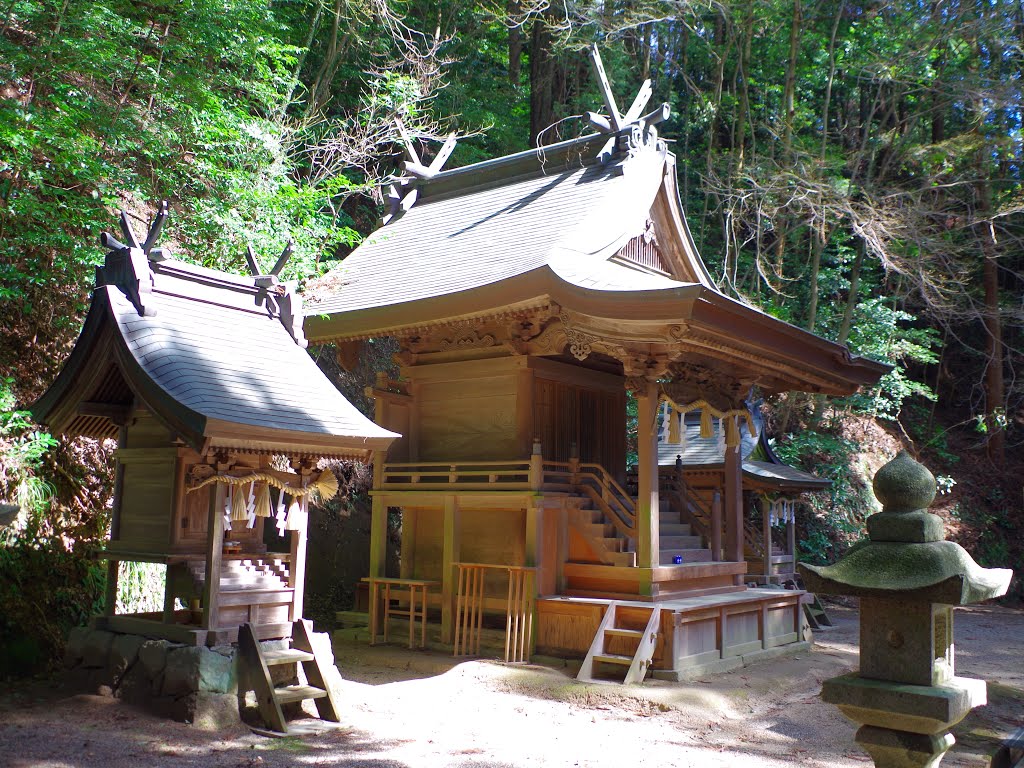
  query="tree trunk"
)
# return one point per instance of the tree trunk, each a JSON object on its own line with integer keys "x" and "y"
{"x": 542, "y": 77}
{"x": 789, "y": 100}
{"x": 818, "y": 238}
{"x": 851, "y": 299}
{"x": 831, "y": 77}
{"x": 515, "y": 41}
{"x": 320, "y": 90}
{"x": 300, "y": 62}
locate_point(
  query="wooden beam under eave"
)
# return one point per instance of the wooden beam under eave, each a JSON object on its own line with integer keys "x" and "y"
{"x": 117, "y": 413}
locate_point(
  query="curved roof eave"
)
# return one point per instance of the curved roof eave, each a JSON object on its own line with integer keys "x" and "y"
{"x": 43, "y": 409}
{"x": 757, "y": 328}
{"x": 533, "y": 288}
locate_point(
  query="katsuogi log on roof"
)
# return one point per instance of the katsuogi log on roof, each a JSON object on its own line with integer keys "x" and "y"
{"x": 219, "y": 359}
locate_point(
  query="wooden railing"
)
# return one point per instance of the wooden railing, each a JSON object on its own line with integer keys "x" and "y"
{"x": 518, "y": 609}
{"x": 611, "y": 498}
{"x": 706, "y": 519}
{"x": 688, "y": 505}
{"x": 534, "y": 474}
{"x": 471, "y": 475}
{"x": 595, "y": 482}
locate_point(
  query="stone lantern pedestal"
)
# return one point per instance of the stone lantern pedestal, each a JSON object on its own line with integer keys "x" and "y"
{"x": 906, "y": 696}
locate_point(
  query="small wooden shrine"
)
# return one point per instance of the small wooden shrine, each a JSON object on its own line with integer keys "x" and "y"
{"x": 220, "y": 417}
{"x": 692, "y": 485}
{"x": 529, "y": 294}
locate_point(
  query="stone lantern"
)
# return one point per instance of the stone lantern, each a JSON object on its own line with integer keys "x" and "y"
{"x": 908, "y": 578}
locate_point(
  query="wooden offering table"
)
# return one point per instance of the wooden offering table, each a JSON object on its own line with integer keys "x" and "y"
{"x": 417, "y": 589}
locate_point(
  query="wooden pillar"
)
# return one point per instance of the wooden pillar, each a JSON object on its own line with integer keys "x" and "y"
{"x": 791, "y": 539}
{"x": 562, "y": 553}
{"x": 114, "y": 566}
{"x": 536, "y": 476}
{"x": 449, "y": 571}
{"x": 378, "y": 519}
{"x": 766, "y": 537}
{"x": 524, "y": 411}
{"x": 412, "y": 437}
{"x": 648, "y": 548}
{"x": 297, "y": 571}
{"x": 716, "y": 526}
{"x": 214, "y": 551}
{"x": 532, "y": 552}
{"x": 733, "y": 511}
{"x": 378, "y": 535}
{"x": 407, "y": 562}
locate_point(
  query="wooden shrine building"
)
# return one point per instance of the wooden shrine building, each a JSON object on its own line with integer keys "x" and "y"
{"x": 528, "y": 295}
{"x": 220, "y": 416}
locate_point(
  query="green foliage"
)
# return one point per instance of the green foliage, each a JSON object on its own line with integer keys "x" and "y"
{"x": 883, "y": 333}
{"x": 140, "y": 587}
{"x": 48, "y": 582}
{"x": 22, "y": 447}
{"x": 45, "y": 590}
{"x": 837, "y": 521}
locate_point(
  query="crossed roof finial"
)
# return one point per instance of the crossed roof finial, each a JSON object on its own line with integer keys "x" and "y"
{"x": 147, "y": 246}
{"x": 402, "y": 195}
{"x": 617, "y": 122}
{"x": 256, "y": 270}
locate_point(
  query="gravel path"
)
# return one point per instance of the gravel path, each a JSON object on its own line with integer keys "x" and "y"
{"x": 421, "y": 710}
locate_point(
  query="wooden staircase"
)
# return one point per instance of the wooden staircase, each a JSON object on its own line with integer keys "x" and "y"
{"x": 256, "y": 676}
{"x": 590, "y": 523}
{"x": 677, "y": 538}
{"x": 639, "y": 662}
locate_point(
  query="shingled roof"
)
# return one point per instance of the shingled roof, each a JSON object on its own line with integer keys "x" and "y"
{"x": 557, "y": 211}
{"x": 549, "y": 226}
{"x": 218, "y": 358}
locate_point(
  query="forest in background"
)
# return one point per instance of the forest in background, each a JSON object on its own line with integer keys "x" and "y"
{"x": 853, "y": 168}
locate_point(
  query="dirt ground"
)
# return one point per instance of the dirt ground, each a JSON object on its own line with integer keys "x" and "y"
{"x": 418, "y": 709}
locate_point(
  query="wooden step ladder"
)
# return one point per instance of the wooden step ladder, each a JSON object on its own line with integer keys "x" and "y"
{"x": 815, "y": 612}
{"x": 256, "y": 664}
{"x": 638, "y": 663}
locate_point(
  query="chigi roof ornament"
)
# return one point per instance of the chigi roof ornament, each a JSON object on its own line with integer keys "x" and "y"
{"x": 127, "y": 266}
{"x": 402, "y": 195}
{"x": 633, "y": 129}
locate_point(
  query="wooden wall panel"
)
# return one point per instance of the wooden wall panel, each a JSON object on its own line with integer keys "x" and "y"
{"x": 429, "y": 538}
{"x": 145, "y": 431}
{"x": 593, "y": 419}
{"x": 397, "y": 416}
{"x": 147, "y": 506}
{"x": 473, "y": 418}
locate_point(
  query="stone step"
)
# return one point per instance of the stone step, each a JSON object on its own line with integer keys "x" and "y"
{"x": 681, "y": 542}
{"x": 688, "y": 555}
{"x": 675, "y": 529}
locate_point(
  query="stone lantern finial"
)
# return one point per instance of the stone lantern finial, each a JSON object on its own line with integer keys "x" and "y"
{"x": 905, "y": 696}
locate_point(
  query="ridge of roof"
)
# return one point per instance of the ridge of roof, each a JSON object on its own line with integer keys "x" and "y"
{"x": 549, "y": 160}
